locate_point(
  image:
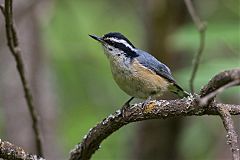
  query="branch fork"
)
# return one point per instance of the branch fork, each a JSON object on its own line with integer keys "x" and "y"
{"x": 162, "y": 109}
{"x": 194, "y": 105}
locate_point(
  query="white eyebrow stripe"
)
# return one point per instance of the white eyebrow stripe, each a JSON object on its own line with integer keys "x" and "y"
{"x": 123, "y": 42}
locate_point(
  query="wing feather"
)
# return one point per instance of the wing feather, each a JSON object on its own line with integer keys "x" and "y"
{"x": 151, "y": 62}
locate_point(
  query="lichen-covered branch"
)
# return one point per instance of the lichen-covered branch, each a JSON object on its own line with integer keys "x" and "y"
{"x": 9, "y": 151}
{"x": 232, "y": 137}
{"x": 161, "y": 109}
{"x": 12, "y": 41}
{"x": 201, "y": 26}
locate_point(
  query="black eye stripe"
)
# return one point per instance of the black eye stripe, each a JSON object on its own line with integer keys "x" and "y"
{"x": 109, "y": 42}
{"x": 128, "y": 52}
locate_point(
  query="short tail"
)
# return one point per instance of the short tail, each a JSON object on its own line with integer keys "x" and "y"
{"x": 178, "y": 90}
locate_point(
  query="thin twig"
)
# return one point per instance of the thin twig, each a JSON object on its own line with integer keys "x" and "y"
{"x": 9, "y": 151}
{"x": 12, "y": 41}
{"x": 232, "y": 137}
{"x": 204, "y": 100}
{"x": 230, "y": 50}
{"x": 201, "y": 26}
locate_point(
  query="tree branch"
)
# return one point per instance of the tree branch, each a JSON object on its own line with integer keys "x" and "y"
{"x": 12, "y": 152}
{"x": 204, "y": 100}
{"x": 201, "y": 26}
{"x": 232, "y": 138}
{"x": 194, "y": 105}
{"x": 161, "y": 109}
{"x": 220, "y": 80}
{"x": 12, "y": 41}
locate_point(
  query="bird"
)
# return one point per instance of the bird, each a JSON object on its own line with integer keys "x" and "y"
{"x": 136, "y": 72}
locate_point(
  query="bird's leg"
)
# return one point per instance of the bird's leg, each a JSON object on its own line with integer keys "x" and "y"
{"x": 126, "y": 104}
{"x": 146, "y": 102}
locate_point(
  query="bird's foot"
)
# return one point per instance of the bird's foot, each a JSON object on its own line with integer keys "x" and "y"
{"x": 146, "y": 102}
{"x": 126, "y": 106}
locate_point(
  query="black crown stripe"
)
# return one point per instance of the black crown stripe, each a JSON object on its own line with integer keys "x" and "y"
{"x": 118, "y": 36}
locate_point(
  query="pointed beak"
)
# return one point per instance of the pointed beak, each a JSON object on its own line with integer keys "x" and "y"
{"x": 99, "y": 39}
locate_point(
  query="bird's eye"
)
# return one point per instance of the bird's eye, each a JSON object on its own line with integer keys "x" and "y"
{"x": 109, "y": 42}
{"x": 110, "y": 49}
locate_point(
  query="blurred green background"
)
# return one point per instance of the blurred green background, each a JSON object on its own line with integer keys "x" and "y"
{"x": 85, "y": 91}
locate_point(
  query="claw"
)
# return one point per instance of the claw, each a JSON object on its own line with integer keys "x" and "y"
{"x": 126, "y": 106}
{"x": 146, "y": 102}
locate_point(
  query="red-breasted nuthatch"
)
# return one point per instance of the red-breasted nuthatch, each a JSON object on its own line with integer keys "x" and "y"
{"x": 137, "y": 72}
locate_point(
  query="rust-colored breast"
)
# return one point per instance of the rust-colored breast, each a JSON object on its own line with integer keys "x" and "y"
{"x": 151, "y": 81}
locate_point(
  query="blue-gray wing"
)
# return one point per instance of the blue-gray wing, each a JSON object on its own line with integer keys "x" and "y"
{"x": 151, "y": 62}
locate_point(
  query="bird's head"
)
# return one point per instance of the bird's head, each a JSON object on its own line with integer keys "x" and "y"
{"x": 116, "y": 45}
